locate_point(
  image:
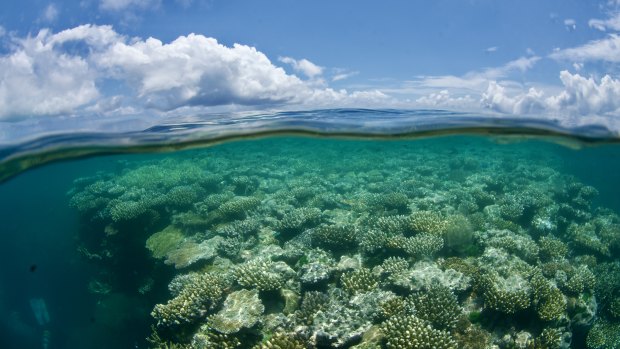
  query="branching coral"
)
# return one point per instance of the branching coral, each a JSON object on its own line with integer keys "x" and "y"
{"x": 410, "y": 332}
{"x": 199, "y": 294}
{"x": 438, "y": 306}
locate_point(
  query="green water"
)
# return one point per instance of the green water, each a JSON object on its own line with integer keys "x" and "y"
{"x": 447, "y": 242}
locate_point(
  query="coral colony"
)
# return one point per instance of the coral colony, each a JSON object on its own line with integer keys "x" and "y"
{"x": 302, "y": 243}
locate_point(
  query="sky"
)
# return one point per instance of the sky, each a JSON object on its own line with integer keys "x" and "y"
{"x": 108, "y": 59}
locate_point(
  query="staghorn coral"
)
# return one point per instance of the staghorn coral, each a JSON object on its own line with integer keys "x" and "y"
{"x": 207, "y": 338}
{"x": 410, "y": 332}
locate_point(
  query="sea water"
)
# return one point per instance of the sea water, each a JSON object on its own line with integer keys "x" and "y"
{"x": 453, "y": 240}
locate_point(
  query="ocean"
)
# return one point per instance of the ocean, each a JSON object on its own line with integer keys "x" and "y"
{"x": 320, "y": 229}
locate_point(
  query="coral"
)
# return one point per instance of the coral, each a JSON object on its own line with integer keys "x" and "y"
{"x": 425, "y": 274}
{"x": 207, "y": 338}
{"x": 237, "y": 208}
{"x": 584, "y": 236}
{"x": 410, "y": 332}
{"x": 359, "y": 281}
{"x": 311, "y": 303}
{"x": 438, "y": 306}
{"x": 427, "y": 222}
{"x": 345, "y": 319}
{"x": 335, "y": 237}
{"x": 375, "y": 240}
{"x": 506, "y": 295}
{"x": 199, "y": 294}
{"x": 520, "y": 245}
{"x": 262, "y": 274}
{"x": 282, "y": 341}
{"x": 552, "y": 248}
{"x": 190, "y": 252}
{"x": 394, "y": 265}
{"x": 392, "y": 307}
{"x": 423, "y": 245}
{"x": 394, "y": 201}
{"x": 549, "y": 302}
{"x": 549, "y": 338}
{"x": 604, "y": 335}
{"x": 297, "y": 220}
{"x": 393, "y": 225}
{"x": 241, "y": 309}
{"x": 580, "y": 279}
{"x": 317, "y": 267}
{"x": 165, "y": 241}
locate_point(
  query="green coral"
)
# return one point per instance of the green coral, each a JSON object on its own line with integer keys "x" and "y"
{"x": 394, "y": 265}
{"x": 410, "y": 332}
{"x": 165, "y": 241}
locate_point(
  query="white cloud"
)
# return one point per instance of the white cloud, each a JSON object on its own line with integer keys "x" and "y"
{"x": 580, "y": 97}
{"x": 2, "y": 31}
{"x": 343, "y": 74}
{"x": 607, "y": 49}
{"x": 120, "y": 5}
{"x": 37, "y": 79}
{"x": 40, "y": 77}
{"x": 491, "y": 49}
{"x": 51, "y": 12}
{"x": 303, "y": 66}
{"x": 612, "y": 23}
{"x": 570, "y": 24}
{"x": 443, "y": 99}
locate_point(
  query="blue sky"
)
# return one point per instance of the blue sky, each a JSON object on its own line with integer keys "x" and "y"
{"x": 108, "y": 58}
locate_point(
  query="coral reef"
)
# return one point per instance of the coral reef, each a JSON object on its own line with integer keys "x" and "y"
{"x": 297, "y": 244}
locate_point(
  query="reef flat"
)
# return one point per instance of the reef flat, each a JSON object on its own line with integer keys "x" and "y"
{"x": 453, "y": 242}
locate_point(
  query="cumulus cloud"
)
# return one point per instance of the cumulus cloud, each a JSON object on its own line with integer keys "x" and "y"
{"x": 48, "y": 75}
{"x": 570, "y": 24}
{"x": 607, "y": 49}
{"x": 303, "y": 66}
{"x": 579, "y": 96}
{"x": 38, "y": 79}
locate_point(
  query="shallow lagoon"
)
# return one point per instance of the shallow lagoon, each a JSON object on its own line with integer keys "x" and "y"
{"x": 453, "y": 242}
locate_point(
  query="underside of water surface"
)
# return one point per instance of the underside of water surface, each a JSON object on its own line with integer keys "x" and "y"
{"x": 458, "y": 241}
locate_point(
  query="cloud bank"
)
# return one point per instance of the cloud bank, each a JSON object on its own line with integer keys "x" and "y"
{"x": 42, "y": 75}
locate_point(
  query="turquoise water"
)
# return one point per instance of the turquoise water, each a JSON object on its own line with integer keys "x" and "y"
{"x": 449, "y": 241}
